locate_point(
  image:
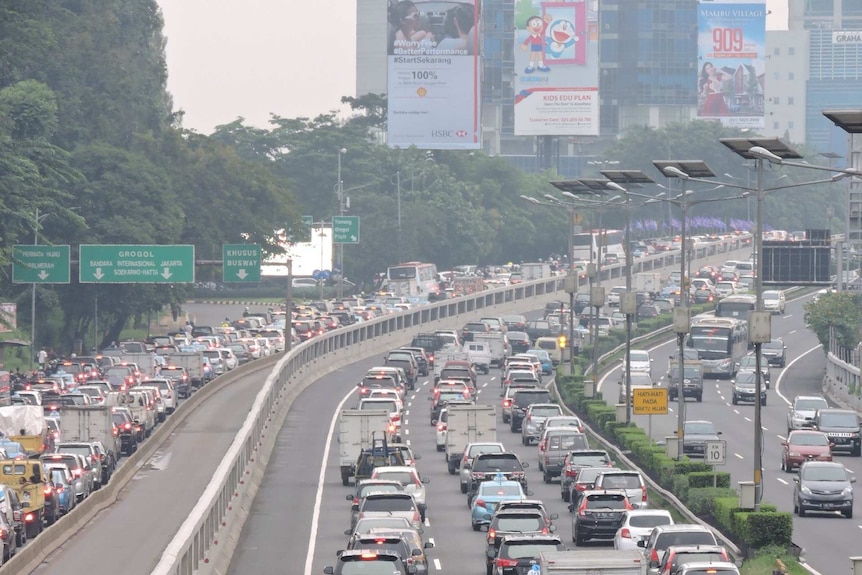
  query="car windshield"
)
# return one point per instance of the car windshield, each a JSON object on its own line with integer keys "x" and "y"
{"x": 699, "y": 428}
{"x": 77, "y": 450}
{"x": 774, "y": 344}
{"x": 639, "y": 356}
{"x": 812, "y": 404}
{"x": 546, "y": 411}
{"x": 824, "y": 473}
{"x": 816, "y": 439}
{"x": 478, "y": 449}
{"x": 746, "y": 378}
{"x": 520, "y": 524}
{"x": 378, "y": 488}
{"x": 848, "y": 420}
{"x": 517, "y": 336}
{"x": 606, "y": 501}
{"x": 621, "y": 482}
{"x": 389, "y": 406}
{"x": 527, "y": 550}
{"x": 523, "y": 399}
{"x": 665, "y": 540}
{"x": 491, "y": 489}
{"x": 690, "y": 372}
{"x": 366, "y": 525}
{"x": 386, "y": 504}
{"x": 58, "y": 477}
{"x": 369, "y": 567}
{"x": 649, "y": 520}
{"x": 402, "y": 477}
{"x": 641, "y": 379}
{"x": 509, "y": 463}
{"x": 682, "y": 558}
{"x": 588, "y": 460}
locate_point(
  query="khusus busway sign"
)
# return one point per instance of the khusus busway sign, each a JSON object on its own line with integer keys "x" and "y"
{"x": 131, "y": 264}
{"x": 241, "y": 263}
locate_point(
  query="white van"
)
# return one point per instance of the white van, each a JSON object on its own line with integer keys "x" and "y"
{"x": 774, "y": 301}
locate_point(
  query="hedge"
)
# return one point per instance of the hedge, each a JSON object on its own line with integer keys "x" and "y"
{"x": 700, "y": 500}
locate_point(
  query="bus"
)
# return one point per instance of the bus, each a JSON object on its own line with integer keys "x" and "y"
{"x": 736, "y": 306}
{"x": 413, "y": 280}
{"x": 586, "y": 244}
{"x": 721, "y": 343}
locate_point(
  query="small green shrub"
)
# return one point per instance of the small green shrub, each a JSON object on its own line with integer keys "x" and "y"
{"x": 705, "y": 479}
{"x": 769, "y": 528}
{"x": 679, "y": 486}
{"x": 701, "y": 499}
{"x": 723, "y": 510}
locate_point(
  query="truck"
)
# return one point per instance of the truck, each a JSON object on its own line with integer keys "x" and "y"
{"x": 193, "y": 362}
{"x": 90, "y": 423}
{"x": 535, "y": 271}
{"x": 590, "y": 561}
{"x": 479, "y": 354}
{"x": 356, "y": 432}
{"x": 25, "y": 424}
{"x": 26, "y": 478}
{"x": 448, "y": 353}
{"x": 145, "y": 362}
{"x": 497, "y": 345}
{"x": 649, "y": 282}
{"x": 468, "y": 424}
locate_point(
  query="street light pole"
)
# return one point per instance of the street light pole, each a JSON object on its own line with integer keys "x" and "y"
{"x": 683, "y": 302}
{"x": 628, "y": 255}
{"x": 340, "y": 184}
{"x": 571, "y": 276}
{"x": 758, "y": 355}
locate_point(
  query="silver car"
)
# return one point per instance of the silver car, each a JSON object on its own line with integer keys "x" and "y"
{"x": 90, "y": 454}
{"x": 801, "y": 413}
{"x": 466, "y": 463}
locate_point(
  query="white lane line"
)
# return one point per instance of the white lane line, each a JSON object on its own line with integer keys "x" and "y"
{"x": 427, "y": 523}
{"x": 321, "y": 481}
{"x": 748, "y": 419}
{"x": 781, "y": 437}
{"x": 727, "y": 403}
{"x": 424, "y": 383}
{"x": 788, "y": 316}
{"x": 406, "y": 413}
{"x": 493, "y": 378}
{"x": 409, "y": 404}
{"x": 437, "y": 564}
{"x": 781, "y": 481}
{"x": 406, "y": 431}
{"x": 431, "y": 541}
{"x": 408, "y": 443}
{"x": 722, "y": 398}
{"x": 792, "y": 331}
{"x": 670, "y": 409}
{"x": 485, "y": 384}
{"x": 787, "y": 370}
{"x": 412, "y": 397}
{"x": 763, "y": 428}
{"x": 739, "y": 456}
{"x": 736, "y": 411}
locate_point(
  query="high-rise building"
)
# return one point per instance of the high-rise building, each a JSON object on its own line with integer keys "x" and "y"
{"x": 785, "y": 85}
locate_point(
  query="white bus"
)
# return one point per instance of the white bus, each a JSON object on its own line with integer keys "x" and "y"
{"x": 721, "y": 342}
{"x": 736, "y": 306}
{"x": 413, "y": 280}
{"x": 587, "y": 244}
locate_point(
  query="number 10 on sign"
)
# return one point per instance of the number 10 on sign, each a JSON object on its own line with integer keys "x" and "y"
{"x": 715, "y": 454}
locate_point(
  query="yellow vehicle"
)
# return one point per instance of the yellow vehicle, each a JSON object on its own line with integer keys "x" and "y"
{"x": 26, "y": 478}
{"x": 25, "y": 424}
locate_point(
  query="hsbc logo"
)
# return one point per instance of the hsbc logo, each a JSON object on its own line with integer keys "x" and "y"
{"x": 448, "y": 133}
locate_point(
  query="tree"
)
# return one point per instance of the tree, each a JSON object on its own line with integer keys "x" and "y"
{"x": 838, "y": 312}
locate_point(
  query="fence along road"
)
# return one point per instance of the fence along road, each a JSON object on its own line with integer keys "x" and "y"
{"x": 149, "y": 517}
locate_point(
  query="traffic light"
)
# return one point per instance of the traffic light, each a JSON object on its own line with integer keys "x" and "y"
{"x": 561, "y": 341}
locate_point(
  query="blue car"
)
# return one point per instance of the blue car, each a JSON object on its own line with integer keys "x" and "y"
{"x": 544, "y": 358}
{"x": 489, "y": 495}
{"x": 62, "y": 480}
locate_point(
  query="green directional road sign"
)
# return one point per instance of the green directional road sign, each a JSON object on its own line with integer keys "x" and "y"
{"x": 241, "y": 263}
{"x": 345, "y": 229}
{"x": 136, "y": 264}
{"x": 40, "y": 264}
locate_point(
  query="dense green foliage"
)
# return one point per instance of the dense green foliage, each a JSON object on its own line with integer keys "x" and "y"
{"x": 838, "y": 312}
{"x": 90, "y": 141}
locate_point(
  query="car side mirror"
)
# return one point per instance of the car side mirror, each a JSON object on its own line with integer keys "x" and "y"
{"x": 653, "y": 564}
{"x": 426, "y": 480}
{"x": 552, "y": 528}
{"x": 428, "y": 545}
{"x": 339, "y": 553}
{"x": 852, "y": 479}
{"x": 349, "y": 498}
{"x": 718, "y": 432}
{"x": 328, "y": 570}
{"x": 530, "y": 493}
{"x": 796, "y": 479}
{"x": 554, "y": 516}
{"x": 784, "y": 444}
{"x": 416, "y": 457}
{"x": 642, "y": 544}
{"x": 525, "y": 465}
{"x": 348, "y": 532}
{"x": 468, "y": 466}
{"x": 416, "y": 553}
{"x": 422, "y": 507}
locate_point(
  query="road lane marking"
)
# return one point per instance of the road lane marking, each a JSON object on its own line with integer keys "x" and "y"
{"x": 748, "y": 419}
{"x": 427, "y": 523}
{"x": 787, "y": 370}
{"x": 727, "y": 403}
{"x": 408, "y": 443}
{"x": 321, "y": 482}
{"x": 409, "y": 404}
{"x": 788, "y": 316}
{"x": 431, "y": 541}
{"x": 406, "y": 431}
{"x": 792, "y": 331}
{"x": 781, "y": 480}
{"x": 406, "y": 412}
{"x": 437, "y": 564}
{"x": 739, "y": 456}
{"x": 763, "y": 428}
{"x": 736, "y": 411}
{"x": 485, "y": 384}
{"x": 412, "y": 397}
{"x": 492, "y": 379}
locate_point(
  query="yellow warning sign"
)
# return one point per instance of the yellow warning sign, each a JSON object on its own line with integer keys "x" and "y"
{"x": 649, "y": 401}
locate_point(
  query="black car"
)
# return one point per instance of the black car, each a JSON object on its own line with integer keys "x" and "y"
{"x": 842, "y": 427}
{"x": 539, "y": 328}
{"x": 517, "y": 553}
{"x": 599, "y": 515}
{"x": 521, "y": 400}
{"x": 430, "y": 342}
{"x": 582, "y": 302}
{"x": 422, "y": 363}
{"x": 692, "y": 382}
{"x": 514, "y": 522}
{"x": 488, "y": 466}
{"x": 775, "y": 353}
{"x": 519, "y": 341}
{"x": 393, "y": 563}
{"x": 126, "y": 431}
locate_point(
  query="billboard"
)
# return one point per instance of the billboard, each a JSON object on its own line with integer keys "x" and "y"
{"x": 556, "y": 68}
{"x": 433, "y": 75}
{"x": 731, "y": 51}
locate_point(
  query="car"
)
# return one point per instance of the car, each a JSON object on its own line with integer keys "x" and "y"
{"x": 823, "y": 486}
{"x": 442, "y": 429}
{"x": 598, "y": 515}
{"x": 389, "y": 563}
{"x": 534, "y": 418}
{"x": 774, "y": 301}
{"x": 585, "y": 481}
{"x": 393, "y": 542}
{"x": 406, "y": 476}
{"x": 366, "y": 525}
{"x": 521, "y": 400}
{"x": 639, "y": 380}
{"x": 710, "y": 567}
{"x": 804, "y": 445}
{"x": 695, "y": 435}
{"x": 637, "y": 524}
{"x": 167, "y": 391}
{"x": 572, "y": 421}
{"x": 366, "y": 486}
{"x": 725, "y": 288}
{"x": 639, "y": 360}
{"x": 64, "y": 486}
{"x": 391, "y": 505}
{"x": 545, "y": 360}
{"x": 577, "y": 460}
{"x": 692, "y": 382}
{"x": 774, "y": 352}
{"x": 519, "y": 341}
{"x": 801, "y": 413}
{"x": 663, "y": 536}
{"x": 488, "y": 466}
{"x": 516, "y": 521}
{"x": 676, "y": 556}
{"x": 749, "y": 363}
{"x": 745, "y": 388}
{"x": 842, "y": 427}
{"x": 518, "y": 552}
{"x": 630, "y": 482}
{"x": 466, "y": 461}
{"x": 79, "y": 468}
{"x": 554, "y": 445}
{"x": 489, "y": 495}
{"x": 421, "y": 359}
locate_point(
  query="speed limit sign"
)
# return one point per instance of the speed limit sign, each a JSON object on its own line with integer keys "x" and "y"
{"x": 715, "y": 452}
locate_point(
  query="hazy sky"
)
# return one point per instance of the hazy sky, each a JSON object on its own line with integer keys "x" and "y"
{"x": 250, "y": 58}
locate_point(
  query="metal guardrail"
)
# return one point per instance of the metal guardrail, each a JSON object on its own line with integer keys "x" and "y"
{"x": 190, "y": 548}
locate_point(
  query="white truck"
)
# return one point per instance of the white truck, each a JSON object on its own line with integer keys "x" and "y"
{"x": 649, "y": 282}
{"x": 479, "y": 354}
{"x": 144, "y": 361}
{"x": 498, "y": 346}
{"x": 356, "y": 431}
{"x": 590, "y": 561}
{"x": 535, "y": 271}
{"x": 447, "y": 353}
{"x": 193, "y": 361}
{"x": 468, "y": 424}
{"x": 89, "y": 423}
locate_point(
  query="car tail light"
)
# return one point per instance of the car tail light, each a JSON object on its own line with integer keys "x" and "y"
{"x": 545, "y": 531}
{"x": 441, "y": 427}
{"x": 29, "y": 517}
{"x": 128, "y": 426}
{"x": 507, "y": 403}
{"x": 77, "y": 472}
{"x": 60, "y": 489}
{"x": 582, "y": 510}
{"x": 48, "y": 490}
{"x": 581, "y": 486}
{"x": 653, "y": 556}
{"x": 506, "y": 563}
{"x": 625, "y": 533}
{"x": 396, "y": 418}
{"x": 391, "y": 428}
{"x": 643, "y": 493}
{"x": 480, "y": 503}
{"x": 369, "y": 555}
{"x": 492, "y": 535}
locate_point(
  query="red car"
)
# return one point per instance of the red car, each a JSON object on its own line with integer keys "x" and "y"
{"x": 803, "y": 445}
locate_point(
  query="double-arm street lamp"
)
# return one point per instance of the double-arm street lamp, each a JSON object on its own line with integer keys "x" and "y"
{"x": 760, "y": 150}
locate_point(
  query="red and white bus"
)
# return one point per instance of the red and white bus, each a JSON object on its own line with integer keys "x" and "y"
{"x": 413, "y": 279}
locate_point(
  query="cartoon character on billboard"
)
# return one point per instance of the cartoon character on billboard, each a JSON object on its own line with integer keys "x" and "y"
{"x": 535, "y": 43}
{"x": 561, "y": 35}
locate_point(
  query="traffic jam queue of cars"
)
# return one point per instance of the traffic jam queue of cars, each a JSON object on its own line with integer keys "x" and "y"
{"x": 614, "y": 529}
{"x": 68, "y": 427}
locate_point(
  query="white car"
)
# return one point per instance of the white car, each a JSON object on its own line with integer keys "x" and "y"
{"x": 161, "y": 408}
{"x": 166, "y": 388}
{"x": 229, "y": 359}
{"x": 639, "y": 361}
{"x": 406, "y": 476}
{"x": 729, "y": 267}
{"x": 774, "y": 301}
{"x": 442, "y": 427}
{"x": 265, "y": 345}
{"x": 637, "y": 524}
{"x": 391, "y": 404}
{"x": 725, "y": 288}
